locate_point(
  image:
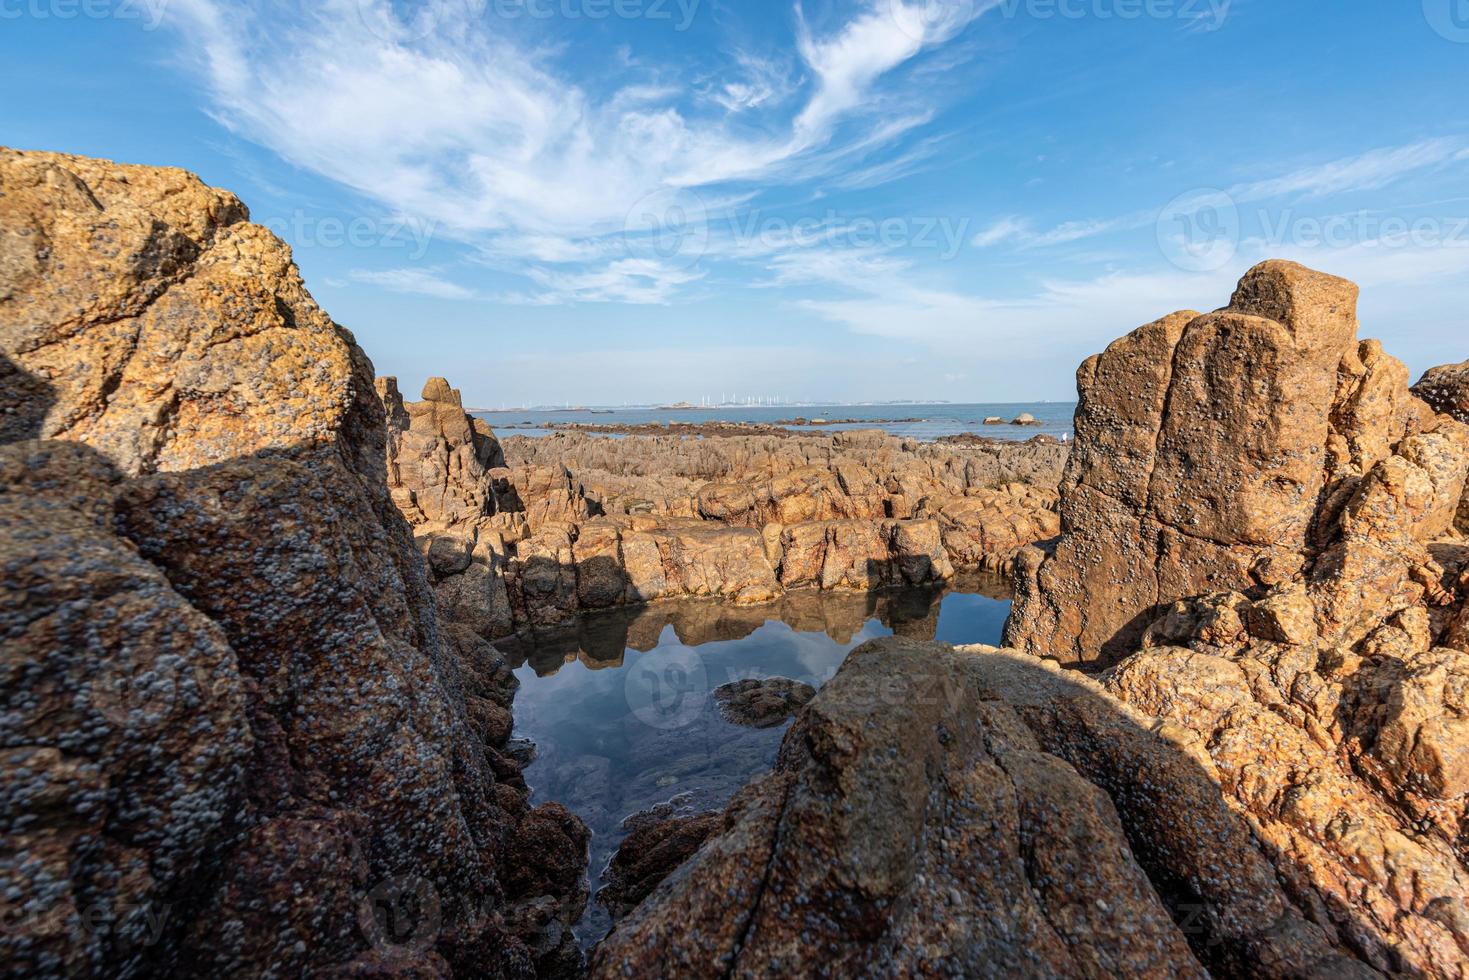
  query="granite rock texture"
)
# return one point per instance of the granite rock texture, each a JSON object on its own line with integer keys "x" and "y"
{"x": 935, "y": 812}
{"x": 236, "y": 740}
{"x": 1262, "y": 538}
{"x": 762, "y": 702}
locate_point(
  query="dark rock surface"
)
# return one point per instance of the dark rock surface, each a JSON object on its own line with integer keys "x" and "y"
{"x": 658, "y": 842}
{"x": 920, "y": 822}
{"x": 762, "y": 702}
{"x": 236, "y": 742}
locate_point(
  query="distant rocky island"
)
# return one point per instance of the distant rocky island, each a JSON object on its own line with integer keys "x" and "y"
{"x": 256, "y": 723}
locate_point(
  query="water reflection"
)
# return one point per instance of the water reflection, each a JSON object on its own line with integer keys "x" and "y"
{"x": 603, "y": 639}
{"x": 619, "y": 703}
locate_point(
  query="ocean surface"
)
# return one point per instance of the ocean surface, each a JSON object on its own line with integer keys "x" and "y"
{"x": 619, "y": 703}
{"x": 933, "y": 420}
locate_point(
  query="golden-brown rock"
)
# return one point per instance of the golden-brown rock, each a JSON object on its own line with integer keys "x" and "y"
{"x": 1287, "y": 597}
{"x": 577, "y": 523}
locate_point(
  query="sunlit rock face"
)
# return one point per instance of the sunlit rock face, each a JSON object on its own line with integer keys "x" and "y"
{"x": 1213, "y": 453}
{"x": 235, "y": 740}
{"x": 1262, "y": 535}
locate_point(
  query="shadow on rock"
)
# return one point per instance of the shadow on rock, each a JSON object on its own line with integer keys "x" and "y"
{"x": 970, "y": 812}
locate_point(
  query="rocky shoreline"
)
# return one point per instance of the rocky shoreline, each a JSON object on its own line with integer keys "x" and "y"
{"x": 529, "y": 532}
{"x": 255, "y": 725}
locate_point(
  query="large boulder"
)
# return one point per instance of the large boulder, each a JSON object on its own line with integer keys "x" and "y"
{"x": 1209, "y": 450}
{"x": 935, "y": 812}
{"x": 1262, "y": 536}
{"x": 237, "y": 742}
{"x": 1446, "y": 389}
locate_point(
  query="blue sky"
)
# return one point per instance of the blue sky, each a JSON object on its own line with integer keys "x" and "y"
{"x": 601, "y": 201}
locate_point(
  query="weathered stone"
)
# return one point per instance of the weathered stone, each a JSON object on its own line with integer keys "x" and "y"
{"x": 1276, "y": 555}
{"x": 762, "y": 702}
{"x": 658, "y": 841}
{"x": 1446, "y": 389}
{"x": 921, "y": 820}
{"x": 1214, "y": 453}
{"x": 227, "y": 692}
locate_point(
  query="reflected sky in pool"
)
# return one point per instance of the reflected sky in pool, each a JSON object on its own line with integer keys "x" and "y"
{"x": 619, "y": 703}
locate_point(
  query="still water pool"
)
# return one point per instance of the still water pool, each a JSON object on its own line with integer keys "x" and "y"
{"x": 618, "y": 704}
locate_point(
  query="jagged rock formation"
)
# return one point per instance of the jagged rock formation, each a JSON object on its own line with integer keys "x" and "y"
{"x": 1258, "y": 522}
{"x": 578, "y": 523}
{"x": 439, "y": 457}
{"x": 1218, "y": 452}
{"x": 1446, "y": 389}
{"x": 235, "y": 742}
{"x": 942, "y": 813}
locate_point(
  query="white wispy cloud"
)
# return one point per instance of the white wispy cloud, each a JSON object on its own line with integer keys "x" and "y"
{"x": 1367, "y": 171}
{"x": 1371, "y": 170}
{"x": 418, "y": 282}
{"x": 493, "y": 141}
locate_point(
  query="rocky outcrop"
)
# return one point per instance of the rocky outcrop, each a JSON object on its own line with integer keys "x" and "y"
{"x": 577, "y": 523}
{"x": 1259, "y": 537}
{"x": 1446, "y": 389}
{"x": 939, "y": 813}
{"x": 1259, "y": 533}
{"x": 1215, "y": 453}
{"x": 236, "y": 742}
{"x": 761, "y": 702}
{"x": 439, "y": 458}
